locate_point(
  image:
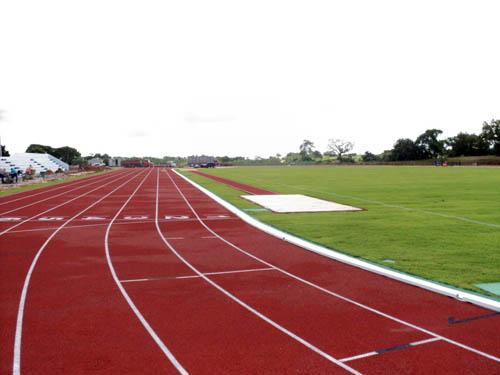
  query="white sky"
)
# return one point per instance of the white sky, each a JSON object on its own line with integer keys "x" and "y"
{"x": 243, "y": 77}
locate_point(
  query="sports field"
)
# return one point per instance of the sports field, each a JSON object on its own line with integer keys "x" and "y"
{"x": 438, "y": 223}
{"x": 140, "y": 271}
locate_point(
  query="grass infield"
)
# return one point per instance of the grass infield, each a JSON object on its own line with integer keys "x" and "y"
{"x": 441, "y": 224}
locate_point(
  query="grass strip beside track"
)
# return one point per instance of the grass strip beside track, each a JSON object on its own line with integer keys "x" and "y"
{"x": 414, "y": 216}
{"x": 57, "y": 181}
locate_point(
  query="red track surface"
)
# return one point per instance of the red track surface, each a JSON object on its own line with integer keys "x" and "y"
{"x": 143, "y": 277}
{"x": 234, "y": 184}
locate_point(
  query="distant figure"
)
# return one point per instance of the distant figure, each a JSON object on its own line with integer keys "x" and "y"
{"x": 29, "y": 172}
{"x": 13, "y": 174}
{"x": 3, "y": 174}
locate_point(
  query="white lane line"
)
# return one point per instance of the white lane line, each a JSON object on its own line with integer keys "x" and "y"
{"x": 238, "y": 271}
{"x": 382, "y": 351}
{"x": 339, "y": 296}
{"x": 279, "y": 327}
{"x": 195, "y": 276}
{"x": 125, "y": 295}
{"x": 47, "y": 189}
{"x": 62, "y": 204}
{"x": 16, "y": 366}
{"x": 92, "y": 225}
{"x": 206, "y": 237}
{"x": 359, "y": 356}
{"x": 58, "y": 195}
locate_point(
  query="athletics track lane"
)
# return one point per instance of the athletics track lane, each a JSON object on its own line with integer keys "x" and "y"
{"x": 405, "y": 302}
{"x": 49, "y": 189}
{"x": 206, "y": 332}
{"x": 18, "y": 250}
{"x": 12, "y": 207}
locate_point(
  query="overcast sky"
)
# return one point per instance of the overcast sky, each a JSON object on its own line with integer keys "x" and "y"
{"x": 243, "y": 77}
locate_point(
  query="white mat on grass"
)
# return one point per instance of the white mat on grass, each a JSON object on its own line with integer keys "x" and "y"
{"x": 286, "y": 203}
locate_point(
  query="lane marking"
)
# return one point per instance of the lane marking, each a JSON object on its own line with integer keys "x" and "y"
{"x": 47, "y": 189}
{"x": 327, "y": 291}
{"x": 391, "y": 349}
{"x": 195, "y": 276}
{"x": 279, "y": 327}
{"x": 58, "y": 195}
{"x": 452, "y": 320}
{"x": 127, "y": 298}
{"x": 16, "y": 366}
{"x": 64, "y": 203}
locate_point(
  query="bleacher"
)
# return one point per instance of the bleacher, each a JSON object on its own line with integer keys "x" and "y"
{"x": 39, "y": 162}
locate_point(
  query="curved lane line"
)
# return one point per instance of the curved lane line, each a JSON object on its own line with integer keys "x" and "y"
{"x": 134, "y": 308}
{"x": 48, "y": 189}
{"x": 346, "y": 299}
{"x": 62, "y": 204}
{"x": 16, "y": 366}
{"x": 58, "y": 195}
{"x": 240, "y": 302}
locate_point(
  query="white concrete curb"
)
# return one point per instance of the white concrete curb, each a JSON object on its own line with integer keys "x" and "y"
{"x": 425, "y": 284}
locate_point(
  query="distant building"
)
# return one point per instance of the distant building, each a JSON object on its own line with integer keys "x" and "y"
{"x": 95, "y": 162}
{"x": 115, "y": 162}
{"x": 137, "y": 163}
{"x": 202, "y": 161}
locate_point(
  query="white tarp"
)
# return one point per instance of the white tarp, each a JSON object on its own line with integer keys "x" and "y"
{"x": 287, "y": 203}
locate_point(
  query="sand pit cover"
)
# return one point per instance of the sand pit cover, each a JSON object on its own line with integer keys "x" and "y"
{"x": 286, "y": 203}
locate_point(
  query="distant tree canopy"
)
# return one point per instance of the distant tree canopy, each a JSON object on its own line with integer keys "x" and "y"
{"x": 428, "y": 144}
{"x": 405, "y": 149}
{"x": 306, "y": 150}
{"x": 491, "y": 134}
{"x": 40, "y": 149}
{"x": 339, "y": 147}
{"x": 464, "y": 144}
{"x": 4, "y": 151}
{"x": 67, "y": 154}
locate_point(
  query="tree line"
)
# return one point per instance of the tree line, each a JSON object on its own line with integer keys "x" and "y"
{"x": 428, "y": 145}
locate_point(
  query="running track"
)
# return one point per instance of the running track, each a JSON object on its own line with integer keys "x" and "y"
{"x": 139, "y": 272}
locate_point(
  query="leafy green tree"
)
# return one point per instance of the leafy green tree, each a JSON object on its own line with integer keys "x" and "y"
{"x": 4, "y": 151}
{"x": 491, "y": 134}
{"x": 306, "y": 150}
{"x": 429, "y": 144}
{"x": 369, "y": 157}
{"x": 405, "y": 149}
{"x": 464, "y": 144}
{"x": 339, "y": 147}
{"x": 40, "y": 149}
{"x": 292, "y": 157}
{"x": 66, "y": 154}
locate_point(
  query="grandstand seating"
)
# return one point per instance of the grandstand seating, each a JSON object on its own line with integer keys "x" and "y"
{"x": 39, "y": 162}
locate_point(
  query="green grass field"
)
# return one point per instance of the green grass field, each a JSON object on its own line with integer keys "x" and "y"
{"x": 441, "y": 224}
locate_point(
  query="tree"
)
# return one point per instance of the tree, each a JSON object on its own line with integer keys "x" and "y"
{"x": 429, "y": 144}
{"x": 464, "y": 144}
{"x": 306, "y": 150}
{"x": 292, "y": 157}
{"x": 491, "y": 134}
{"x": 405, "y": 149}
{"x": 4, "y": 151}
{"x": 369, "y": 157}
{"x": 40, "y": 149}
{"x": 67, "y": 154}
{"x": 339, "y": 147}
